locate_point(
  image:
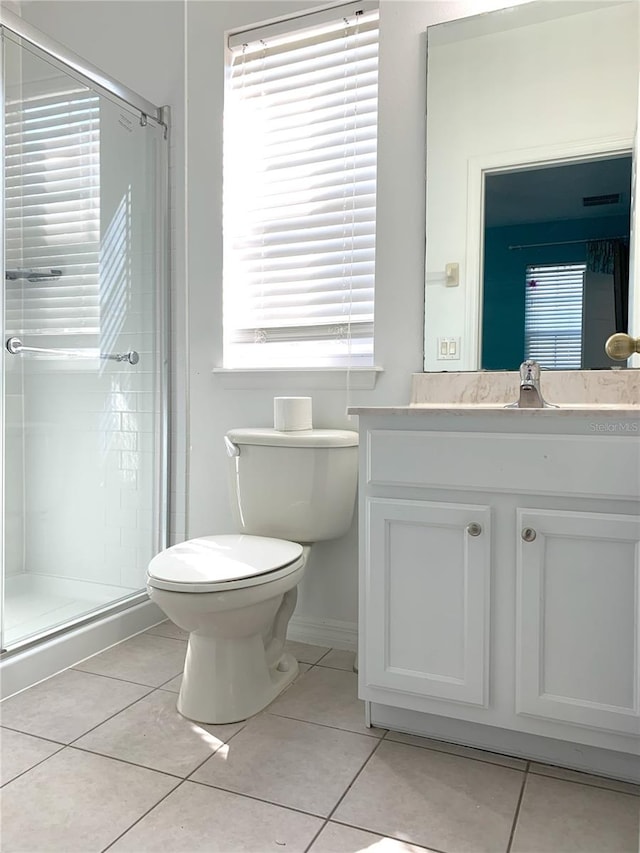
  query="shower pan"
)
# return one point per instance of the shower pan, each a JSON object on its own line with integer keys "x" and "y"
{"x": 84, "y": 355}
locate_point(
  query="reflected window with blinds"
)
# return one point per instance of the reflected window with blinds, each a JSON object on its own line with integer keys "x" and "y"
{"x": 300, "y": 139}
{"x": 52, "y": 211}
{"x": 553, "y": 315}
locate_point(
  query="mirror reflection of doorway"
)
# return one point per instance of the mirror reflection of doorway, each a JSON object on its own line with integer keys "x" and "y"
{"x": 556, "y": 263}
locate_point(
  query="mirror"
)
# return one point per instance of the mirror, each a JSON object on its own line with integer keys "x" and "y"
{"x": 531, "y": 119}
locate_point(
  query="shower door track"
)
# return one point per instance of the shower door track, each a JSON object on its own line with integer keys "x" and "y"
{"x": 79, "y": 622}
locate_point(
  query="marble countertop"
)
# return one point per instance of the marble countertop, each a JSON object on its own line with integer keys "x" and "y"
{"x": 587, "y": 409}
{"x": 577, "y": 390}
{"x": 610, "y": 393}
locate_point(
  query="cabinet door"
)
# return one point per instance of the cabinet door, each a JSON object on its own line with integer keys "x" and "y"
{"x": 427, "y": 599}
{"x": 578, "y": 618}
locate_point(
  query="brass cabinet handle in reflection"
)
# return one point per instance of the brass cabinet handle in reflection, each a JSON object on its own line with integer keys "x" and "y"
{"x": 621, "y": 347}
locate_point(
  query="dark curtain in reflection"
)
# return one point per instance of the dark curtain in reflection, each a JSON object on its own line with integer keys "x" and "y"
{"x": 611, "y": 257}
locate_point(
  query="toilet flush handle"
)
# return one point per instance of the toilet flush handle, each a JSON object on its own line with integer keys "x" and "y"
{"x": 232, "y": 449}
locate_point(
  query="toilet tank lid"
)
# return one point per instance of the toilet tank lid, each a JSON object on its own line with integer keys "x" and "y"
{"x": 294, "y": 438}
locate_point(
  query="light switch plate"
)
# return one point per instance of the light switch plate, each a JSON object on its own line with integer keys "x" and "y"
{"x": 448, "y": 348}
{"x": 452, "y": 275}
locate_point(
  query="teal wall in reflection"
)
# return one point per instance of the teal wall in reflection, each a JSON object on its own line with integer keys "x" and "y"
{"x": 505, "y": 270}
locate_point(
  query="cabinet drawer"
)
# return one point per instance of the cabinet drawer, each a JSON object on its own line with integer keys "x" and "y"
{"x": 602, "y": 465}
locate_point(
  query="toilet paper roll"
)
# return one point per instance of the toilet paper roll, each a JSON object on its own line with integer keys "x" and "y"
{"x": 291, "y": 413}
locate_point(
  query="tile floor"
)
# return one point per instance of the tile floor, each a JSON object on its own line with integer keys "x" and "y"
{"x": 97, "y": 758}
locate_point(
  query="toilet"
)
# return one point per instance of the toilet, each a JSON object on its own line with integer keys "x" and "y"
{"x": 235, "y": 593}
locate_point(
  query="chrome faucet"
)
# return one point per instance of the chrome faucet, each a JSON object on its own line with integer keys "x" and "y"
{"x": 530, "y": 393}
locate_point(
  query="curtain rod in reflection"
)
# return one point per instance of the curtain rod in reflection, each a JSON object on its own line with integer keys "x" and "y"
{"x": 568, "y": 242}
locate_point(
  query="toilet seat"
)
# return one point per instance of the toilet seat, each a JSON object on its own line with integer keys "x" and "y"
{"x": 219, "y": 563}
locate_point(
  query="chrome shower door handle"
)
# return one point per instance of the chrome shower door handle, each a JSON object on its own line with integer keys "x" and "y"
{"x": 15, "y": 346}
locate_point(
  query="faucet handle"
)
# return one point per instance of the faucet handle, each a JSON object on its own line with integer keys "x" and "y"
{"x": 530, "y": 371}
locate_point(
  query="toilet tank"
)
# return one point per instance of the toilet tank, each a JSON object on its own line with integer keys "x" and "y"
{"x": 298, "y": 485}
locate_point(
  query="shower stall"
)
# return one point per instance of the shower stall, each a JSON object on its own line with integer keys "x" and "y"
{"x": 84, "y": 355}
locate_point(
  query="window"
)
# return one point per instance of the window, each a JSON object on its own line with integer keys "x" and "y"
{"x": 300, "y": 134}
{"x": 553, "y": 315}
{"x": 52, "y": 221}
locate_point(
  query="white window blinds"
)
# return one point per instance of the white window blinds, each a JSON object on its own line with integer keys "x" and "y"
{"x": 300, "y": 133}
{"x": 52, "y": 217}
{"x": 553, "y": 315}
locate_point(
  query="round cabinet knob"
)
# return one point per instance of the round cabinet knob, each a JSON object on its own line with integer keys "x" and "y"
{"x": 528, "y": 534}
{"x": 621, "y": 346}
{"x": 474, "y": 529}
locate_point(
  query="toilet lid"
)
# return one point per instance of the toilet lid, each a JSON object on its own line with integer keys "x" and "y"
{"x": 210, "y": 563}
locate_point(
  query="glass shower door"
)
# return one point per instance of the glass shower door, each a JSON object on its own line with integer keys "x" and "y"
{"x": 83, "y": 361}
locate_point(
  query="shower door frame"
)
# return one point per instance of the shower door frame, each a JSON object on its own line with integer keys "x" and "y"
{"x": 77, "y": 67}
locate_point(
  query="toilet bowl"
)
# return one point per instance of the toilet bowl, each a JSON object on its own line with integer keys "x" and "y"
{"x": 235, "y": 593}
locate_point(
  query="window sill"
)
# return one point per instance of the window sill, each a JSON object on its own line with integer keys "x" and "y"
{"x": 300, "y": 379}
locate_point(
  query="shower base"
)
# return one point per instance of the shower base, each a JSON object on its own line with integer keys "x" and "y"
{"x": 35, "y": 603}
{"x": 67, "y": 622}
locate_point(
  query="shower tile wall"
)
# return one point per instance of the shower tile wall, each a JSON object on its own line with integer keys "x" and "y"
{"x": 89, "y": 474}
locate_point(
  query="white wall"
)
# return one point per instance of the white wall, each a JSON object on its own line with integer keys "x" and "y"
{"x": 329, "y": 588}
{"x": 539, "y": 92}
{"x": 141, "y": 43}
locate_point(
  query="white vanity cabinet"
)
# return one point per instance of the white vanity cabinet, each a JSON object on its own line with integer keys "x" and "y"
{"x": 577, "y": 638}
{"x": 428, "y": 568}
{"x": 500, "y": 581}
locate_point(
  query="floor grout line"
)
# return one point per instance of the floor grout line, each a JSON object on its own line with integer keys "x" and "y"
{"x": 142, "y": 816}
{"x": 75, "y": 668}
{"x": 343, "y": 795}
{"x": 353, "y": 781}
{"x": 517, "y": 811}
{"x": 216, "y": 751}
{"x": 600, "y": 787}
{"x": 33, "y": 766}
{"x": 126, "y": 761}
{"x": 114, "y": 677}
{"x": 111, "y": 716}
{"x": 330, "y": 818}
{"x": 325, "y": 823}
{"x": 457, "y": 755}
{"x": 324, "y": 725}
{"x": 256, "y": 798}
{"x": 322, "y": 657}
{"x": 30, "y": 734}
{"x": 74, "y": 745}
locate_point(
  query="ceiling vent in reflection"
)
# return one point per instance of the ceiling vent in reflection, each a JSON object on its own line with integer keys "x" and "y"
{"x": 595, "y": 200}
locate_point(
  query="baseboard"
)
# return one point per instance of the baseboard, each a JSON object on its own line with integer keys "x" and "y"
{"x": 324, "y": 632}
{"x": 560, "y": 753}
{"x": 25, "y": 668}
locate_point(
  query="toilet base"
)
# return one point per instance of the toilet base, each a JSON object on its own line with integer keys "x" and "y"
{"x": 226, "y": 681}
